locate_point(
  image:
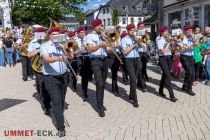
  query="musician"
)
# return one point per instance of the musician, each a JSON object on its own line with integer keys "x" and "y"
{"x": 186, "y": 58}
{"x": 132, "y": 61}
{"x": 84, "y": 61}
{"x": 55, "y": 76}
{"x": 73, "y": 62}
{"x": 143, "y": 58}
{"x": 27, "y": 70}
{"x": 143, "y": 50}
{"x": 97, "y": 46}
{"x": 125, "y": 73}
{"x": 165, "y": 61}
{"x": 33, "y": 50}
{"x": 115, "y": 62}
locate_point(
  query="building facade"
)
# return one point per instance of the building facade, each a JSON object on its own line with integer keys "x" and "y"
{"x": 90, "y": 15}
{"x": 5, "y": 16}
{"x": 129, "y": 12}
{"x": 187, "y": 12}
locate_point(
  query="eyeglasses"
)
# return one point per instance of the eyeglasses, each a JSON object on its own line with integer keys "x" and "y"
{"x": 131, "y": 30}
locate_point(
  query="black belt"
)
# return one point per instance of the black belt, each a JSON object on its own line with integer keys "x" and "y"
{"x": 58, "y": 76}
{"x": 84, "y": 56}
{"x": 99, "y": 58}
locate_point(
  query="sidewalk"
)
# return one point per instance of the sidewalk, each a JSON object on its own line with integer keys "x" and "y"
{"x": 155, "y": 119}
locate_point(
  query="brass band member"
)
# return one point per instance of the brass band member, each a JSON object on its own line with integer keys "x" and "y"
{"x": 143, "y": 50}
{"x": 165, "y": 61}
{"x": 83, "y": 61}
{"x": 55, "y": 76}
{"x": 34, "y": 51}
{"x": 132, "y": 61}
{"x": 26, "y": 62}
{"x": 97, "y": 46}
{"x": 73, "y": 62}
{"x": 143, "y": 58}
{"x": 186, "y": 58}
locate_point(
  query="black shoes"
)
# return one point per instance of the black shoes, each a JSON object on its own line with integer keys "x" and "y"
{"x": 173, "y": 99}
{"x": 144, "y": 89}
{"x": 162, "y": 94}
{"x": 85, "y": 98}
{"x": 116, "y": 93}
{"x": 46, "y": 112}
{"x": 101, "y": 113}
{"x": 190, "y": 92}
{"x": 135, "y": 104}
{"x": 25, "y": 78}
{"x": 61, "y": 133}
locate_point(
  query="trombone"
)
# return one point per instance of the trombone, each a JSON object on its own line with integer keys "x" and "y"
{"x": 68, "y": 45}
{"x": 111, "y": 38}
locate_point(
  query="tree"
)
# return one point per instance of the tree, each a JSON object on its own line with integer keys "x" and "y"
{"x": 38, "y": 11}
{"x": 115, "y": 15}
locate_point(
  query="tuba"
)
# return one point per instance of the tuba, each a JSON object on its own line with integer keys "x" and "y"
{"x": 36, "y": 61}
{"x": 26, "y": 39}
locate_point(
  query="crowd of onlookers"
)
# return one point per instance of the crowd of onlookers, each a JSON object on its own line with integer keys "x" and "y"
{"x": 8, "y": 53}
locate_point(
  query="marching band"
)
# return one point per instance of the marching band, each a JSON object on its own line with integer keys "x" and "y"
{"x": 56, "y": 62}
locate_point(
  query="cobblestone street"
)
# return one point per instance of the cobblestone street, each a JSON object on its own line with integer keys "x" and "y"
{"x": 155, "y": 119}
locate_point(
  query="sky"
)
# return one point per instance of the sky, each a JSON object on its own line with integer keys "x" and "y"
{"x": 93, "y": 4}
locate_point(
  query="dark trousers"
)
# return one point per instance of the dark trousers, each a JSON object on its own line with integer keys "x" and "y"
{"x": 133, "y": 66}
{"x": 141, "y": 81}
{"x": 72, "y": 78}
{"x": 165, "y": 65}
{"x": 114, "y": 65}
{"x": 125, "y": 72}
{"x": 197, "y": 69}
{"x": 26, "y": 66}
{"x": 144, "y": 59}
{"x": 86, "y": 73}
{"x": 45, "y": 98}
{"x": 187, "y": 63}
{"x": 100, "y": 70}
{"x": 56, "y": 87}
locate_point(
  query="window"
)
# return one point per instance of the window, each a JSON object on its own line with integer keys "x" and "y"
{"x": 107, "y": 10}
{"x": 104, "y": 22}
{"x": 123, "y": 21}
{"x": 207, "y": 14}
{"x": 186, "y": 14}
{"x": 108, "y": 22}
{"x": 104, "y": 11}
{"x": 139, "y": 9}
{"x": 132, "y": 20}
{"x": 196, "y": 12}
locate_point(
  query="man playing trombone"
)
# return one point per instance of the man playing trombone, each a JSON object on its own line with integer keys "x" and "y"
{"x": 97, "y": 45}
{"x": 55, "y": 76}
{"x": 132, "y": 61}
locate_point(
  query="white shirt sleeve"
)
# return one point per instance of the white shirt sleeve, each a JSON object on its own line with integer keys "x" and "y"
{"x": 123, "y": 43}
{"x": 89, "y": 39}
{"x": 43, "y": 49}
{"x": 160, "y": 44}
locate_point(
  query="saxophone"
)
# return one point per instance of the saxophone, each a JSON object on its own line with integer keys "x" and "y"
{"x": 26, "y": 39}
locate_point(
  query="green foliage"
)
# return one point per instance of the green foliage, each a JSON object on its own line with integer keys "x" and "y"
{"x": 38, "y": 11}
{"x": 115, "y": 15}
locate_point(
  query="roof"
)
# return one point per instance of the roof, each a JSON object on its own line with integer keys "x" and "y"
{"x": 91, "y": 11}
{"x": 121, "y": 6}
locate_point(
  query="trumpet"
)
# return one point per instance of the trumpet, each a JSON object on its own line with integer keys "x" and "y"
{"x": 111, "y": 38}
